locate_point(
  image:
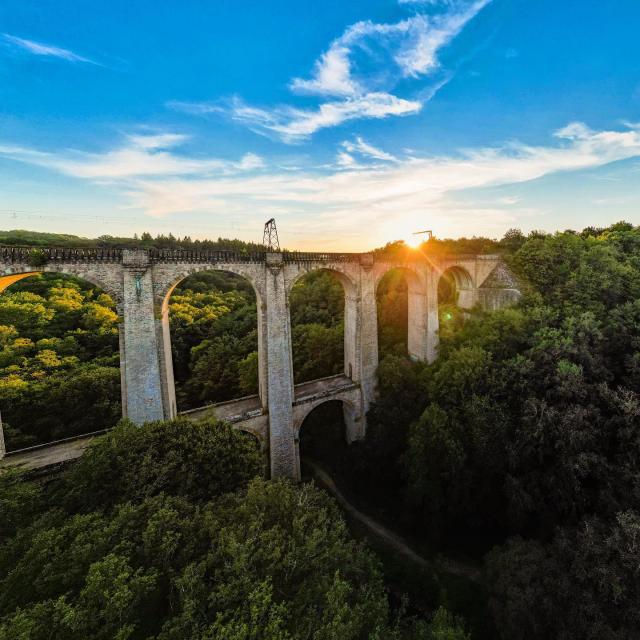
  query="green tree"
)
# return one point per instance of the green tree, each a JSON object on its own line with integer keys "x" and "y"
{"x": 177, "y": 457}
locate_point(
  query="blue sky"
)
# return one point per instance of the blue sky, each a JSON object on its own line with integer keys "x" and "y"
{"x": 352, "y": 123}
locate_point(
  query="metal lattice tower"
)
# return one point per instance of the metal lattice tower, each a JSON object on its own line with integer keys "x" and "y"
{"x": 270, "y": 236}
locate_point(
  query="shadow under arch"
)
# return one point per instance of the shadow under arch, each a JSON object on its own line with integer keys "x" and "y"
{"x": 323, "y": 433}
{"x": 401, "y": 298}
{"x": 166, "y": 354}
{"x": 79, "y": 356}
{"x": 349, "y": 321}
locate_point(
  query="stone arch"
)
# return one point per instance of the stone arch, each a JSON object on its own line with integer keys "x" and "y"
{"x": 255, "y": 432}
{"x": 346, "y": 279}
{"x": 14, "y": 275}
{"x": 114, "y": 288}
{"x": 303, "y": 411}
{"x": 351, "y": 311}
{"x": 455, "y": 285}
{"x": 415, "y": 279}
{"x": 168, "y": 277}
{"x": 166, "y": 283}
{"x": 418, "y": 311}
{"x": 350, "y": 414}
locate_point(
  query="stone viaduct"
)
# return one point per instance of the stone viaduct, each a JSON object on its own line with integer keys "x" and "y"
{"x": 141, "y": 282}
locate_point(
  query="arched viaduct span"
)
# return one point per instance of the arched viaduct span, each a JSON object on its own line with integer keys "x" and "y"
{"x": 141, "y": 282}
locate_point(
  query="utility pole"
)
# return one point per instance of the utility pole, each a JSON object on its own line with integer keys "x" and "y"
{"x": 270, "y": 236}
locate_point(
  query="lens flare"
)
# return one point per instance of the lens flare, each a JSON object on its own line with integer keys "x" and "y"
{"x": 413, "y": 241}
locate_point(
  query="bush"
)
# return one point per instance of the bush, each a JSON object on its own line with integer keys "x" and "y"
{"x": 272, "y": 561}
{"x": 196, "y": 460}
{"x": 36, "y": 258}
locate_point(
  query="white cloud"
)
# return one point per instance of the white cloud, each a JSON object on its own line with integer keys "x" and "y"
{"x": 430, "y": 34}
{"x": 371, "y": 205}
{"x": 40, "y": 49}
{"x": 346, "y": 160}
{"x": 364, "y": 206}
{"x": 368, "y": 150}
{"x": 141, "y": 155}
{"x": 301, "y": 123}
{"x": 412, "y": 43}
{"x": 250, "y": 161}
{"x": 332, "y": 75}
{"x": 407, "y": 48}
{"x": 294, "y": 125}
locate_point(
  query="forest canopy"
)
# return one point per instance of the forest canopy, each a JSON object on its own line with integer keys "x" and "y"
{"x": 167, "y": 531}
{"x": 517, "y": 449}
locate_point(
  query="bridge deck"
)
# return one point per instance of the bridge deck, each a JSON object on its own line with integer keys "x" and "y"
{"x": 306, "y": 391}
{"x": 47, "y": 455}
{"x": 233, "y": 411}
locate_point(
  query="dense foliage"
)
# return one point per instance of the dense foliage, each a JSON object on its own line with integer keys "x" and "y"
{"x": 317, "y": 326}
{"x": 21, "y": 237}
{"x": 393, "y": 314}
{"x": 527, "y": 429}
{"x": 519, "y": 448}
{"x": 214, "y": 338}
{"x": 168, "y": 532}
{"x": 59, "y": 360}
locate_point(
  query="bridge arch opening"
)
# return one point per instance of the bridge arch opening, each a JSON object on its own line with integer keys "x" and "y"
{"x": 402, "y": 314}
{"x": 210, "y": 351}
{"x": 455, "y": 287}
{"x": 324, "y": 434}
{"x": 323, "y": 308}
{"x": 59, "y": 358}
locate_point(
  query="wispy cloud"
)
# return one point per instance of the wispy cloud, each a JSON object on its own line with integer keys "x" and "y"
{"x": 359, "y": 145}
{"x": 139, "y": 155}
{"x": 411, "y": 45}
{"x": 343, "y": 76}
{"x": 387, "y": 199}
{"x": 41, "y": 49}
{"x": 294, "y": 125}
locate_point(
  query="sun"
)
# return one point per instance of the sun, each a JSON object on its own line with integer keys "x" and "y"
{"x": 413, "y": 240}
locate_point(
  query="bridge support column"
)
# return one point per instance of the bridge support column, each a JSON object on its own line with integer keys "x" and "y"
{"x": 423, "y": 316}
{"x": 368, "y": 335}
{"x": 433, "y": 319}
{"x": 280, "y": 395}
{"x": 417, "y": 331}
{"x": 467, "y": 298}
{"x": 141, "y": 388}
{"x": 165, "y": 358}
{"x": 354, "y": 422}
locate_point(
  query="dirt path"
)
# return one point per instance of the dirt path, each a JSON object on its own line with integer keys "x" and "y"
{"x": 390, "y": 538}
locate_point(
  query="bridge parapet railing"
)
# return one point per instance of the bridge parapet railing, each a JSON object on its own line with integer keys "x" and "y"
{"x": 186, "y": 255}
{"x": 420, "y": 256}
{"x": 43, "y": 255}
{"x": 310, "y": 256}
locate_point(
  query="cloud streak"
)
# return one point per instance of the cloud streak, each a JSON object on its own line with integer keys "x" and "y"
{"x": 364, "y": 206}
{"x": 140, "y": 155}
{"x": 41, "y": 49}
